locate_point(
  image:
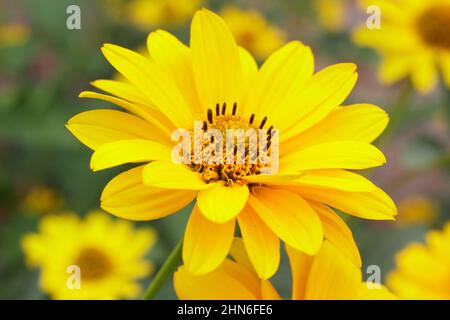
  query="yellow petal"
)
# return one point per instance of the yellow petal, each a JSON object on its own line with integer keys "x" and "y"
{"x": 290, "y": 217}
{"x": 357, "y": 122}
{"x": 215, "y": 60}
{"x": 229, "y": 281}
{"x": 123, "y": 90}
{"x": 127, "y": 197}
{"x": 268, "y": 292}
{"x": 380, "y": 293}
{"x": 240, "y": 255}
{"x": 175, "y": 58}
{"x": 283, "y": 72}
{"x": 221, "y": 203}
{"x": 263, "y": 246}
{"x": 168, "y": 175}
{"x": 323, "y": 93}
{"x": 128, "y": 151}
{"x": 334, "y": 155}
{"x": 337, "y": 232}
{"x": 152, "y": 81}
{"x": 206, "y": 244}
{"x": 300, "y": 264}
{"x": 249, "y": 69}
{"x": 332, "y": 276}
{"x": 374, "y": 205}
{"x": 445, "y": 64}
{"x": 97, "y": 127}
{"x": 424, "y": 75}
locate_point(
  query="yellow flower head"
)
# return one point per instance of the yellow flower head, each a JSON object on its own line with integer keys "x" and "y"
{"x": 414, "y": 40}
{"x": 327, "y": 276}
{"x": 417, "y": 209}
{"x": 41, "y": 199}
{"x": 214, "y": 86}
{"x": 252, "y": 31}
{"x": 146, "y": 14}
{"x": 423, "y": 271}
{"x": 94, "y": 258}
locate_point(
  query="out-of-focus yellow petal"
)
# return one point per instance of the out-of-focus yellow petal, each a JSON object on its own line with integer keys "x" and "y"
{"x": 424, "y": 75}
{"x": 338, "y": 233}
{"x": 120, "y": 152}
{"x": 215, "y": 60}
{"x": 230, "y": 281}
{"x": 127, "y": 197}
{"x": 380, "y": 293}
{"x": 334, "y": 155}
{"x": 168, "y": 175}
{"x": 206, "y": 244}
{"x": 268, "y": 292}
{"x": 263, "y": 246}
{"x": 289, "y": 216}
{"x": 332, "y": 276}
{"x": 220, "y": 203}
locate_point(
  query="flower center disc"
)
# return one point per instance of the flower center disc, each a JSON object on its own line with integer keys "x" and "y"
{"x": 433, "y": 26}
{"x": 93, "y": 263}
{"x": 246, "y": 153}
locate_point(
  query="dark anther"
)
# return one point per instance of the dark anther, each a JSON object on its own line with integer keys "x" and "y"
{"x": 224, "y": 107}
{"x": 269, "y": 133}
{"x": 252, "y": 117}
{"x": 268, "y": 145}
{"x": 210, "y": 116}
{"x": 235, "y": 149}
{"x": 263, "y": 122}
{"x": 205, "y": 126}
{"x": 212, "y": 139}
{"x": 234, "y": 109}
{"x": 217, "y": 109}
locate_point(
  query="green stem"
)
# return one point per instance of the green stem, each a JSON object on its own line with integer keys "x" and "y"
{"x": 164, "y": 272}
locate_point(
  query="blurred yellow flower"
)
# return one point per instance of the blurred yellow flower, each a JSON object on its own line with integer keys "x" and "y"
{"x": 41, "y": 199}
{"x": 327, "y": 276}
{"x": 13, "y": 34}
{"x": 423, "y": 271}
{"x": 147, "y": 14}
{"x": 218, "y": 84}
{"x": 331, "y": 14}
{"x": 252, "y": 31}
{"x": 417, "y": 209}
{"x": 109, "y": 255}
{"x": 414, "y": 40}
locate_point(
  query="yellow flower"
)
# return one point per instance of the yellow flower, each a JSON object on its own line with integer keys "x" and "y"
{"x": 414, "y": 40}
{"x": 13, "y": 34}
{"x": 41, "y": 199}
{"x": 145, "y": 14}
{"x": 417, "y": 209}
{"x": 252, "y": 31}
{"x": 423, "y": 271}
{"x": 109, "y": 255}
{"x": 327, "y": 276}
{"x": 331, "y": 14}
{"x": 217, "y": 82}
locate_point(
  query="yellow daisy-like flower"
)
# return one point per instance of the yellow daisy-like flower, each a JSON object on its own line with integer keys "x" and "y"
{"x": 149, "y": 13}
{"x": 414, "y": 40}
{"x": 94, "y": 258}
{"x": 42, "y": 199}
{"x": 423, "y": 271}
{"x": 329, "y": 275}
{"x": 219, "y": 83}
{"x": 417, "y": 209}
{"x": 252, "y": 31}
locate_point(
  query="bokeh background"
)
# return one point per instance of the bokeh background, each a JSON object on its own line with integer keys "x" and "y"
{"x": 44, "y": 170}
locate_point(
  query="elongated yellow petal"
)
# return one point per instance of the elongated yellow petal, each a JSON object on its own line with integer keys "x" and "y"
{"x": 152, "y": 81}
{"x": 334, "y": 155}
{"x": 268, "y": 292}
{"x": 128, "y": 151}
{"x": 230, "y": 281}
{"x": 97, "y": 127}
{"x": 215, "y": 60}
{"x": 290, "y": 217}
{"x": 263, "y": 246}
{"x": 240, "y": 255}
{"x": 332, "y": 276}
{"x": 379, "y": 293}
{"x": 300, "y": 267}
{"x": 284, "y": 71}
{"x": 323, "y": 93}
{"x": 168, "y": 175}
{"x": 123, "y": 90}
{"x": 221, "y": 203}
{"x": 206, "y": 244}
{"x": 357, "y": 122}
{"x": 337, "y": 232}
{"x": 375, "y": 205}
{"x": 249, "y": 69}
{"x": 175, "y": 58}
{"x": 127, "y": 197}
